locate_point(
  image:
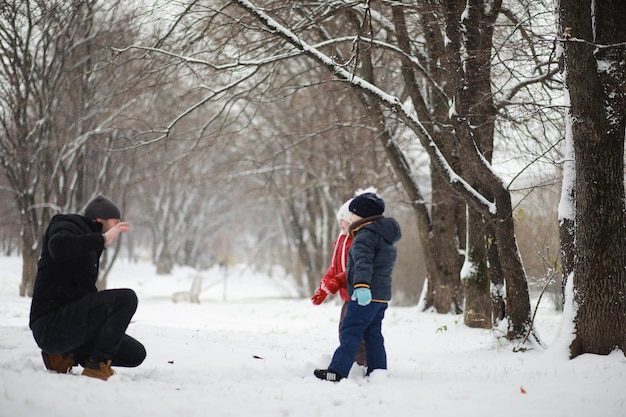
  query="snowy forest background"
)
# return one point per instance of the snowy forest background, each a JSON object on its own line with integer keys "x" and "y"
{"x": 230, "y": 133}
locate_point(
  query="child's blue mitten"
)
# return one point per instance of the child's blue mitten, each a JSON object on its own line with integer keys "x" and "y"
{"x": 362, "y": 295}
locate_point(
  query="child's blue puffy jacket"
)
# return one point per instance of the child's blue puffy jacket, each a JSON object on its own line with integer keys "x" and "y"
{"x": 372, "y": 256}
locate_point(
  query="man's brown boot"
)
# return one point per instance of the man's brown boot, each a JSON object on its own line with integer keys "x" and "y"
{"x": 58, "y": 363}
{"x": 103, "y": 370}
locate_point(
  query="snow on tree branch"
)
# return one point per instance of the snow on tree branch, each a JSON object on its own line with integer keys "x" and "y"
{"x": 389, "y": 101}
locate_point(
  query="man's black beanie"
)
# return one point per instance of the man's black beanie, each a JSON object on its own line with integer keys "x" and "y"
{"x": 102, "y": 208}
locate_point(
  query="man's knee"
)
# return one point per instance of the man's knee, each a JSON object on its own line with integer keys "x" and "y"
{"x": 131, "y": 353}
{"x": 140, "y": 356}
{"x": 136, "y": 356}
{"x": 127, "y": 297}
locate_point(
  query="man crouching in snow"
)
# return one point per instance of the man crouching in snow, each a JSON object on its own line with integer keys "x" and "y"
{"x": 371, "y": 259}
{"x": 71, "y": 321}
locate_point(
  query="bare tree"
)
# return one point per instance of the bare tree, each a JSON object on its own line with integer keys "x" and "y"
{"x": 58, "y": 101}
{"x": 593, "y": 35}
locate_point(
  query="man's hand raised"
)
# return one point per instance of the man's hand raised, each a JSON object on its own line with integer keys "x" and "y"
{"x": 111, "y": 234}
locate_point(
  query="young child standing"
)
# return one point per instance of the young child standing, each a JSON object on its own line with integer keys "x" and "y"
{"x": 371, "y": 259}
{"x": 334, "y": 280}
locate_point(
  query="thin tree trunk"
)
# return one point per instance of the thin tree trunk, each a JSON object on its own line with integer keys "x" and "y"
{"x": 445, "y": 244}
{"x": 475, "y": 277}
{"x": 30, "y": 248}
{"x": 29, "y": 270}
{"x": 496, "y": 275}
{"x": 517, "y": 295}
{"x": 445, "y": 232}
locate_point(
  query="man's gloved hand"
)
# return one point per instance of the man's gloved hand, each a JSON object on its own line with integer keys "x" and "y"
{"x": 319, "y": 296}
{"x": 362, "y": 295}
{"x": 330, "y": 284}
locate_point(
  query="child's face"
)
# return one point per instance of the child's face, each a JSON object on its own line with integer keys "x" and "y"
{"x": 345, "y": 225}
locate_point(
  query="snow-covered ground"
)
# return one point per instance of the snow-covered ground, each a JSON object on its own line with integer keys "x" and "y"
{"x": 249, "y": 349}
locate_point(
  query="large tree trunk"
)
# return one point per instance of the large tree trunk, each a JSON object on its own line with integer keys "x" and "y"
{"x": 595, "y": 80}
{"x": 600, "y": 265}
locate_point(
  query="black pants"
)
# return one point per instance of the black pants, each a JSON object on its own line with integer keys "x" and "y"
{"x": 93, "y": 329}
